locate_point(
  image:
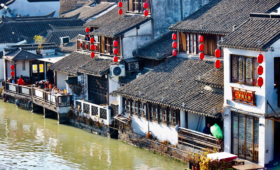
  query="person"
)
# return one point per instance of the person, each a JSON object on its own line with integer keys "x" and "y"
{"x": 206, "y": 130}
{"x": 54, "y": 90}
{"x": 49, "y": 85}
{"x": 20, "y": 81}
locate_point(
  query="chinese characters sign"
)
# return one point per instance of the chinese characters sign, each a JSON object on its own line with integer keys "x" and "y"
{"x": 243, "y": 96}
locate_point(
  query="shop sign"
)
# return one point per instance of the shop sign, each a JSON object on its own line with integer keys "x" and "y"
{"x": 243, "y": 96}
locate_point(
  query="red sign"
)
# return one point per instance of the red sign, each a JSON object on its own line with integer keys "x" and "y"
{"x": 243, "y": 96}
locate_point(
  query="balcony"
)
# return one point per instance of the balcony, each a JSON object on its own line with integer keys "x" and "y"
{"x": 96, "y": 112}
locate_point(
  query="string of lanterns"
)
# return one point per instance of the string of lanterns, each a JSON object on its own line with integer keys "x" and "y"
{"x": 12, "y": 72}
{"x": 120, "y": 4}
{"x": 174, "y": 45}
{"x": 145, "y": 6}
{"x": 260, "y": 70}
{"x": 115, "y": 43}
{"x": 201, "y": 47}
{"x": 218, "y": 54}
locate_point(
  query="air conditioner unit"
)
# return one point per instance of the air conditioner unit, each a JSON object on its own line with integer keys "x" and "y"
{"x": 117, "y": 70}
{"x": 64, "y": 40}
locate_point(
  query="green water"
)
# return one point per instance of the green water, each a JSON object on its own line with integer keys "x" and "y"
{"x": 27, "y": 141}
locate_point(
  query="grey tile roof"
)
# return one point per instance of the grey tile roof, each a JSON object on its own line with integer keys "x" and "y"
{"x": 120, "y": 25}
{"x": 15, "y": 31}
{"x": 260, "y": 27}
{"x": 71, "y": 63}
{"x": 173, "y": 83}
{"x": 219, "y": 16}
{"x": 87, "y": 11}
{"x": 108, "y": 17}
{"x": 57, "y": 32}
{"x": 156, "y": 49}
{"x": 213, "y": 78}
{"x": 20, "y": 54}
{"x": 97, "y": 66}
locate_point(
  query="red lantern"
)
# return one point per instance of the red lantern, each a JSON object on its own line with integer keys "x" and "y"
{"x": 174, "y": 44}
{"x": 91, "y": 39}
{"x": 116, "y": 51}
{"x": 218, "y": 64}
{"x": 87, "y": 29}
{"x": 174, "y": 36}
{"x": 115, "y": 43}
{"x": 120, "y": 11}
{"x": 174, "y": 53}
{"x": 201, "y": 56}
{"x": 120, "y": 4}
{"x": 92, "y": 47}
{"x": 260, "y": 70}
{"x": 92, "y": 54}
{"x": 146, "y": 13}
{"x": 201, "y": 47}
{"x": 12, "y": 73}
{"x": 81, "y": 44}
{"x": 201, "y": 38}
{"x": 145, "y": 5}
{"x": 218, "y": 53}
{"x": 260, "y": 58}
{"x": 12, "y": 67}
{"x": 260, "y": 81}
{"x": 115, "y": 59}
{"x": 86, "y": 46}
{"x": 95, "y": 47}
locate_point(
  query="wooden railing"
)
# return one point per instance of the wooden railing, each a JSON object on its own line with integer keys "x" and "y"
{"x": 198, "y": 140}
{"x": 94, "y": 110}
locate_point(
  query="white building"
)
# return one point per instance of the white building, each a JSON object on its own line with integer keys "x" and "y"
{"x": 251, "y": 101}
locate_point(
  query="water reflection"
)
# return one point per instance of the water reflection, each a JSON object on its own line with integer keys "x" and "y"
{"x": 27, "y": 141}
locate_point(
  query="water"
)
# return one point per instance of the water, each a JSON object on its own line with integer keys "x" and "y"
{"x": 27, "y": 141}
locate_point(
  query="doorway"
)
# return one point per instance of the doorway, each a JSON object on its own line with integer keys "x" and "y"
{"x": 37, "y": 71}
{"x": 276, "y": 141}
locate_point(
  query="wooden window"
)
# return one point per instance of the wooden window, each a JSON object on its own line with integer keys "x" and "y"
{"x": 164, "y": 118}
{"x": 136, "y": 6}
{"x": 182, "y": 42}
{"x": 245, "y": 136}
{"x": 155, "y": 113}
{"x": 160, "y": 115}
{"x": 151, "y": 112}
{"x": 244, "y": 70}
{"x": 142, "y": 109}
{"x": 192, "y": 43}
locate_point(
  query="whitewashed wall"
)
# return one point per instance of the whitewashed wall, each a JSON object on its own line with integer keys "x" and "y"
{"x": 113, "y": 85}
{"x": 20, "y": 70}
{"x": 61, "y": 77}
{"x": 24, "y": 7}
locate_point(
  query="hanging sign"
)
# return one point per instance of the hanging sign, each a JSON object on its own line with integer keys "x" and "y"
{"x": 243, "y": 96}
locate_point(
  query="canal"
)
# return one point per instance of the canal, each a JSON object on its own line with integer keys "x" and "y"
{"x": 27, "y": 141}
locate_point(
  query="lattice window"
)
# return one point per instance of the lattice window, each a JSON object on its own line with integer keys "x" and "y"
{"x": 155, "y": 113}
{"x": 86, "y": 108}
{"x": 151, "y": 112}
{"x": 103, "y": 113}
{"x": 160, "y": 115}
{"x": 94, "y": 111}
{"x": 169, "y": 117}
{"x": 164, "y": 115}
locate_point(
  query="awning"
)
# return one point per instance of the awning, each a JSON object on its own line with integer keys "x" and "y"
{"x": 53, "y": 59}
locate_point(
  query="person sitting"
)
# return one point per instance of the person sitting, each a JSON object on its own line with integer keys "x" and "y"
{"x": 20, "y": 81}
{"x": 54, "y": 90}
{"x": 49, "y": 85}
{"x": 206, "y": 130}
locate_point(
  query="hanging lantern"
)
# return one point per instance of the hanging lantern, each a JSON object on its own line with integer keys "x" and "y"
{"x": 218, "y": 64}
{"x": 201, "y": 38}
{"x": 92, "y": 47}
{"x": 81, "y": 45}
{"x": 86, "y": 46}
{"x": 174, "y": 53}
{"x": 174, "y": 36}
{"x": 87, "y": 29}
{"x": 115, "y": 59}
{"x": 218, "y": 53}
{"x": 91, "y": 39}
{"x": 115, "y": 43}
{"x": 120, "y": 4}
{"x": 116, "y": 51}
{"x": 92, "y": 54}
{"x": 260, "y": 58}
{"x": 120, "y": 11}
{"x": 260, "y": 81}
{"x": 174, "y": 44}
{"x": 95, "y": 47}
{"x": 12, "y": 67}
{"x": 201, "y": 47}
{"x": 145, "y": 5}
{"x": 146, "y": 13}
{"x": 260, "y": 70}
{"x": 201, "y": 56}
{"x": 12, "y": 73}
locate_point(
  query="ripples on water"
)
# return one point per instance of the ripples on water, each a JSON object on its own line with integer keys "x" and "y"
{"x": 27, "y": 141}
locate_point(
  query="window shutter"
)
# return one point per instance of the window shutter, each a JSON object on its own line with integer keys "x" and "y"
{"x": 240, "y": 66}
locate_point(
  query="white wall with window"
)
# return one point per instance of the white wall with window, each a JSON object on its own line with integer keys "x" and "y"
{"x": 61, "y": 77}
{"x": 22, "y": 68}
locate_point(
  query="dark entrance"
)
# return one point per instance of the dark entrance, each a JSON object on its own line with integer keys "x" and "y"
{"x": 98, "y": 90}
{"x": 37, "y": 71}
{"x": 50, "y": 74}
{"x": 276, "y": 141}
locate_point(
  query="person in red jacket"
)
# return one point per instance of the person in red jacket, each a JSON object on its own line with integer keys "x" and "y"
{"x": 20, "y": 81}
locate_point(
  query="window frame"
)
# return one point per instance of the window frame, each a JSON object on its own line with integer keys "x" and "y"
{"x": 244, "y": 70}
